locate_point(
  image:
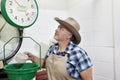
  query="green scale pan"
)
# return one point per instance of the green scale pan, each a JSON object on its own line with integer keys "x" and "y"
{"x": 21, "y": 71}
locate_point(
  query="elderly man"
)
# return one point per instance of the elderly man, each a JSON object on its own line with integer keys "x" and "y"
{"x": 65, "y": 60}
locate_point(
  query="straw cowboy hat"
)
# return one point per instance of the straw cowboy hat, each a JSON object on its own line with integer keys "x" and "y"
{"x": 72, "y": 25}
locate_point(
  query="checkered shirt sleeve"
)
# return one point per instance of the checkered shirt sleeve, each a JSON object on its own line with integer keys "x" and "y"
{"x": 78, "y": 61}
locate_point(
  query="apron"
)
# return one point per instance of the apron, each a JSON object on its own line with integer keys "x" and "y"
{"x": 56, "y": 68}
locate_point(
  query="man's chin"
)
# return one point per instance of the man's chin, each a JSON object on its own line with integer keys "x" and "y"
{"x": 55, "y": 37}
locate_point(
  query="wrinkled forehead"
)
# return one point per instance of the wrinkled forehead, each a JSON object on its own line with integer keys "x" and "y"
{"x": 62, "y": 26}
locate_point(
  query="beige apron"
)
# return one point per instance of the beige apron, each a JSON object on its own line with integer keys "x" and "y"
{"x": 56, "y": 68}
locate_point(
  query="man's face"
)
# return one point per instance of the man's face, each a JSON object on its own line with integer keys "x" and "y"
{"x": 62, "y": 34}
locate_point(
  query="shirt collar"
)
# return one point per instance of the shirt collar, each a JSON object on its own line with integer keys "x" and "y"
{"x": 68, "y": 49}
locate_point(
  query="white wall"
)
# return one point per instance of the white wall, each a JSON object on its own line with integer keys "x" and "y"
{"x": 116, "y": 17}
{"x": 53, "y": 4}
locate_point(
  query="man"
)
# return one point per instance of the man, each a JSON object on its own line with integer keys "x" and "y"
{"x": 65, "y": 60}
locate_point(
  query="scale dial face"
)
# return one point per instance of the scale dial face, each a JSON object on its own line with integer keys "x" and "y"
{"x": 6, "y": 33}
{"x": 20, "y": 13}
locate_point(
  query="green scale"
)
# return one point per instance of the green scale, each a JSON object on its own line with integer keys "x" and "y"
{"x": 16, "y": 15}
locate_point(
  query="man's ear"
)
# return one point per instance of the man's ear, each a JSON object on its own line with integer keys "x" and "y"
{"x": 70, "y": 36}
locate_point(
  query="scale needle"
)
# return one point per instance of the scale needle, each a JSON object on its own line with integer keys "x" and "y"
{"x": 17, "y": 3}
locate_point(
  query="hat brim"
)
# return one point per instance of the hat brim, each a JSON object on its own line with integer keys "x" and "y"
{"x": 76, "y": 35}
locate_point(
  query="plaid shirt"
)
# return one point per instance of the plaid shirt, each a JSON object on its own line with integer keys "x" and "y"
{"x": 78, "y": 59}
